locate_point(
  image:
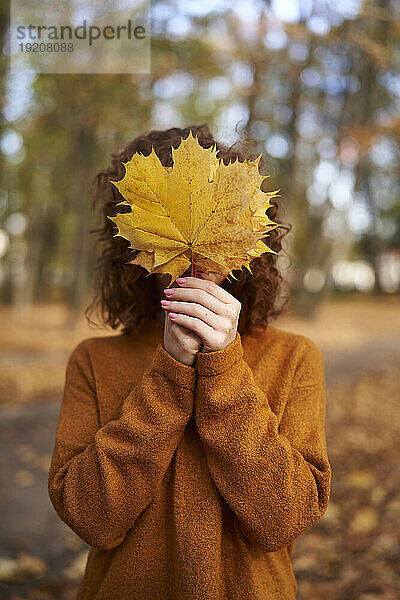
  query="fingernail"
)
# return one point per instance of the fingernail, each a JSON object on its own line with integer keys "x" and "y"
{"x": 173, "y": 315}
{"x": 168, "y": 292}
{"x": 181, "y": 280}
{"x": 165, "y": 302}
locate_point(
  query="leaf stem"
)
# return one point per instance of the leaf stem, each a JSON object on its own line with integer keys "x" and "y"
{"x": 193, "y": 264}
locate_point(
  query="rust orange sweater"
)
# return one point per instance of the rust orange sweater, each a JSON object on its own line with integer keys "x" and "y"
{"x": 191, "y": 482}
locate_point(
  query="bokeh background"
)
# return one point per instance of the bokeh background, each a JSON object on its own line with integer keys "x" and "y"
{"x": 317, "y": 85}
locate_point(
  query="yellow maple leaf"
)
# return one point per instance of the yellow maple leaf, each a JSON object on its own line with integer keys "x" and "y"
{"x": 199, "y": 212}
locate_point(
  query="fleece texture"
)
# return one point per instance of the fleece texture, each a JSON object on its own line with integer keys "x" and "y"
{"x": 191, "y": 483}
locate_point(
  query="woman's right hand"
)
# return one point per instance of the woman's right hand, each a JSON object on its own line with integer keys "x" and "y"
{"x": 180, "y": 343}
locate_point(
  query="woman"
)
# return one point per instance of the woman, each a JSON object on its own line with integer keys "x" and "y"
{"x": 190, "y": 451}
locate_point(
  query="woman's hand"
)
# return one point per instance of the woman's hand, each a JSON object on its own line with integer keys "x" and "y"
{"x": 204, "y": 308}
{"x": 181, "y": 343}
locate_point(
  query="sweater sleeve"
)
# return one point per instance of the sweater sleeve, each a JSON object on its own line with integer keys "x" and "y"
{"x": 101, "y": 478}
{"x": 275, "y": 478}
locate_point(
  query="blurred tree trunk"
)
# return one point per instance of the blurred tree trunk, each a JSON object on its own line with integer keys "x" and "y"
{"x": 80, "y": 199}
{"x": 260, "y": 65}
{"x": 5, "y": 283}
{"x": 295, "y": 200}
{"x": 365, "y": 106}
{"x": 37, "y": 233}
{"x": 4, "y": 20}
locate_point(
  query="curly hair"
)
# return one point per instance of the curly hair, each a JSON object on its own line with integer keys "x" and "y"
{"x": 127, "y": 295}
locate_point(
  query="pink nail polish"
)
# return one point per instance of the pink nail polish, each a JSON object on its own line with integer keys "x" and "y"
{"x": 173, "y": 315}
{"x": 181, "y": 280}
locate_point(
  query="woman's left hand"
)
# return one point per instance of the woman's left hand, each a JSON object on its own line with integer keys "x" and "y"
{"x": 205, "y": 308}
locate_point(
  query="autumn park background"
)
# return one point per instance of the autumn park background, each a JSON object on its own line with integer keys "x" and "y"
{"x": 317, "y": 85}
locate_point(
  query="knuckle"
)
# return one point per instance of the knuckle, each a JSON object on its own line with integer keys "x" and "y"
{"x": 201, "y": 295}
{"x": 220, "y": 340}
{"x": 225, "y": 327}
{"x": 197, "y": 325}
{"x": 202, "y": 312}
{"x": 231, "y": 312}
